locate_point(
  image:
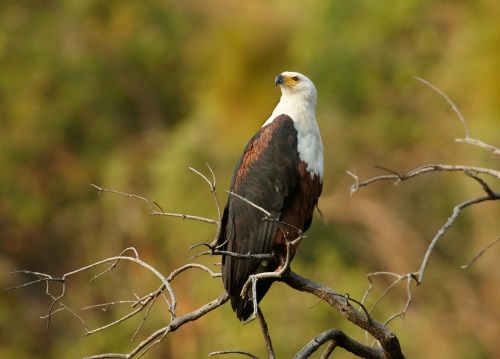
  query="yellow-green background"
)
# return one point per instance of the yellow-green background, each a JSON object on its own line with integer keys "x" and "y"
{"x": 128, "y": 94}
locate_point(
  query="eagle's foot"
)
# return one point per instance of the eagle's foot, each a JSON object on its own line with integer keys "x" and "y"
{"x": 253, "y": 278}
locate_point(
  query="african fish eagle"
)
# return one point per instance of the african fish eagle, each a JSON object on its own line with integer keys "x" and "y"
{"x": 281, "y": 171}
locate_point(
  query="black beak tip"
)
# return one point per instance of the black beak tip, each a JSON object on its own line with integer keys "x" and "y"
{"x": 279, "y": 80}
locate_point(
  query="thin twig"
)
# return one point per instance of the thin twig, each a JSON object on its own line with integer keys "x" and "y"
{"x": 329, "y": 349}
{"x": 149, "y": 203}
{"x": 152, "y": 205}
{"x": 265, "y": 333}
{"x": 348, "y": 298}
{"x": 160, "y": 334}
{"x": 212, "y": 251}
{"x": 450, "y": 102}
{"x": 398, "y": 278}
{"x": 467, "y": 138}
{"x": 115, "y": 263}
{"x": 268, "y": 214}
{"x": 212, "y": 185}
{"x": 465, "y": 266}
{"x": 222, "y": 352}
{"x": 189, "y": 266}
{"x": 479, "y": 143}
{"x": 484, "y": 185}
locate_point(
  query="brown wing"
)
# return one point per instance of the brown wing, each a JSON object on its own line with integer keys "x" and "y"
{"x": 266, "y": 174}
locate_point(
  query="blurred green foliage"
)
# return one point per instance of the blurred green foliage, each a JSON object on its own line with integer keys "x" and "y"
{"x": 129, "y": 94}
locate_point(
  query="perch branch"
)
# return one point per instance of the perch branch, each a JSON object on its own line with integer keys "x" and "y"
{"x": 391, "y": 348}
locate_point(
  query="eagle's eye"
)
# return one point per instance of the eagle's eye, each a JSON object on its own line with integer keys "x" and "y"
{"x": 295, "y": 78}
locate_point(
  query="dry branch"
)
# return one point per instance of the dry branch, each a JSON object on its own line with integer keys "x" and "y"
{"x": 389, "y": 343}
{"x": 470, "y": 171}
{"x": 337, "y": 338}
{"x": 160, "y": 334}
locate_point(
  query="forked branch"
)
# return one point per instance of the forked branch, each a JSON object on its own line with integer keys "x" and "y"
{"x": 470, "y": 171}
{"x": 390, "y": 347}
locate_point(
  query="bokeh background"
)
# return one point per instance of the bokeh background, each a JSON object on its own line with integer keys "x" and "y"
{"x": 129, "y": 94}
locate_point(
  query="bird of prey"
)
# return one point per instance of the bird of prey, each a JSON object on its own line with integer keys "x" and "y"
{"x": 280, "y": 171}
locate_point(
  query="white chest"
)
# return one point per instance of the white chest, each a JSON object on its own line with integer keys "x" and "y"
{"x": 310, "y": 148}
{"x": 309, "y": 144}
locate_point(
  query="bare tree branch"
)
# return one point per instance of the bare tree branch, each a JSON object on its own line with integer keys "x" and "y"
{"x": 419, "y": 274}
{"x": 212, "y": 185}
{"x": 389, "y": 342}
{"x": 329, "y": 349}
{"x": 467, "y": 138}
{"x": 470, "y": 171}
{"x": 146, "y": 302}
{"x": 479, "y": 143}
{"x": 418, "y": 171}
{"x": 265, "y": 333}
{"x": 456, "y": 212}
{"x": 142, "y": 303}
{"x": 160, "y": 334}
